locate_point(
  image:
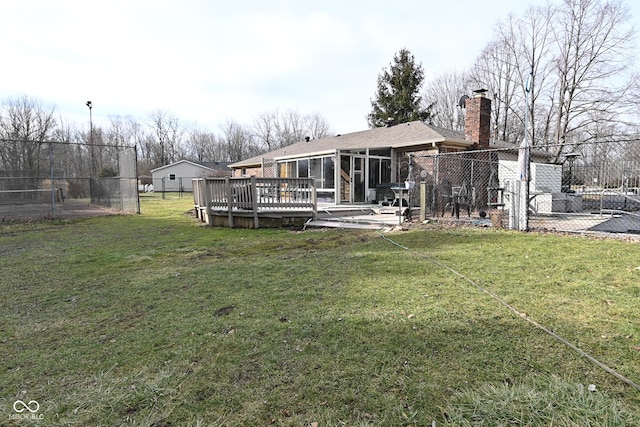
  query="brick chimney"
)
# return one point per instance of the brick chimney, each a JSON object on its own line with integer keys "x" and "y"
{"x": 477, "y": 122}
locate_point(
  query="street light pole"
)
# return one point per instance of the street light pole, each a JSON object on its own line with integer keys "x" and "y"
{"x": 92, "y": 165}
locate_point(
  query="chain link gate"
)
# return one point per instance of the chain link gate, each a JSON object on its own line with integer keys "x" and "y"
{"x": 594, "y": 188}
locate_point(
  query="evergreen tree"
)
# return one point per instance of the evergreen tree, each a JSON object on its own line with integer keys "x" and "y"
{"x": 398, "y": 99}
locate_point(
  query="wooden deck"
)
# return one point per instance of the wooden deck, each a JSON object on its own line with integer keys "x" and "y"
{"x": 254, "y": 202}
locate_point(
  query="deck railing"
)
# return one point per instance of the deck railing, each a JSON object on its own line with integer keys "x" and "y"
{"x": 254, "y": 195}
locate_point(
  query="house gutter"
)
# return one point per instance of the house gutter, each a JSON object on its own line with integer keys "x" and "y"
{"x": 302, "y": 155}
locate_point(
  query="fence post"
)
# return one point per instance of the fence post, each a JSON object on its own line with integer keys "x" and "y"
{"x": 208, "y": 196}
{"x": 135, "y": 172}
{"x": 523, "y": 205}
{"x": 314, "y": 198}
{"x": 254, "y": 201}
{"x": 227, "y": 183}
{"x": 53, "y": 187}
{"x": 423, "y": 201}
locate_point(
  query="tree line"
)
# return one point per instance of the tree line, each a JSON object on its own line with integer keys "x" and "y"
{"x": 572, "y": 62}
{"x": 160, "y": 138}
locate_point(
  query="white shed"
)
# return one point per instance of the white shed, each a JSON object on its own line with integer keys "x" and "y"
{"x": 545, "y": 187}
{"x": 545, "y": 177}
{"x": 177, "y": 176}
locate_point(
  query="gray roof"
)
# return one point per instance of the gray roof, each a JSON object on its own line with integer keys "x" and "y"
{"x": 412, "y": 134}
{"x": 214, "y": 166}
{"x": 219, "y": 166}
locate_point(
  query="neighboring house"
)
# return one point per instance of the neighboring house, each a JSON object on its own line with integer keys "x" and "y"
{"x": 356, "y": 167}
{"x": 177, "y": 176}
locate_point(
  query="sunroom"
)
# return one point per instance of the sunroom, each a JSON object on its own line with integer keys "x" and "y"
{"x": 354, "y": 168}
{"x": 343, "y": 176}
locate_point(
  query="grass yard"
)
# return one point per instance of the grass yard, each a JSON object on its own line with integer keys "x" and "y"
{"x": 156, "y": 320}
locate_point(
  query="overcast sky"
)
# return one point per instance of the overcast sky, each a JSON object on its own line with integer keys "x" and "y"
{"x": 209, "y": 61}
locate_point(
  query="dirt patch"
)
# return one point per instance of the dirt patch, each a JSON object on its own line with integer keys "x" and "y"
{"x": 45, "y": 211}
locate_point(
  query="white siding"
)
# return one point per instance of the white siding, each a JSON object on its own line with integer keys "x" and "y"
{"x": 184, "y": 170}
{"x": 546, "y": 178}
{"x": 507, "y": 171}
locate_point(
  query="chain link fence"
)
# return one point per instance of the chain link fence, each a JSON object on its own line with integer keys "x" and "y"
{"x": 65, "y": 180}
{"x": 593, "y": 188}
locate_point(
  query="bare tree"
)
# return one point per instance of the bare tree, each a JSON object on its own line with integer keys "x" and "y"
{"x": 239, "y": 141}
{"x": 203, "y": 146}
{"x": 264, "y": 129}
{"x": 276, "y": 130}
{"x": 149, "y": 150}
{"x": 290, "y": 128}
{"x": 577, "y": 56}
{"x": 317, "y": 126}
{"x": 443, "y": 94}
{"x": 71, "y": 156}
{"x": 23, "y": 122}
{"x": 593, "y": 44}
{"x": 123, "y": 131}
{"x": 519, "y": 54}
{"x": 495, "y": 72}
{"x": 167, "y": 131}
{"x": 528, "y": 43}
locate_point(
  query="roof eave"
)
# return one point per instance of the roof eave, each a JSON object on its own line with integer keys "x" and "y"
{"x": 434, "y": 142}
{"x": 457, "y": 143}
{"x": 180, "y": 161}
{"x": 309, "y": 154}
{"x": 243, "y": 165}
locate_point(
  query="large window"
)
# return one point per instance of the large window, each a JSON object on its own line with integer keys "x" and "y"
{"x": 385, "y": 170}
{"x": 315, "y": 169}
{"x": 329, "y": 169}
{"x": 303, "y": 168}
{"x": 289, "y": 169}
{"x": 379, "y": 171}
{"x": 374, "y": 172}
{"x": 322, "y": 169}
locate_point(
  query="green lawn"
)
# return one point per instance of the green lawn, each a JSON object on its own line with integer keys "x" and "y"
{"x": 156, "y": 320}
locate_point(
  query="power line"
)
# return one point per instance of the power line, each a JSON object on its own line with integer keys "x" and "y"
{"x": 521, "y": 314}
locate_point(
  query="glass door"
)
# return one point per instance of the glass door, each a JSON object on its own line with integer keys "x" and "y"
{"x": 358, "y": 184}
{"x": 352, "y": 179}
{"x": 345, "y": 179}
